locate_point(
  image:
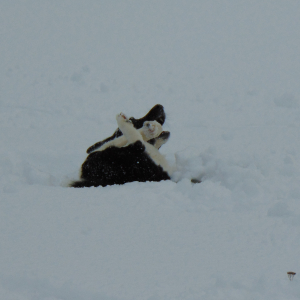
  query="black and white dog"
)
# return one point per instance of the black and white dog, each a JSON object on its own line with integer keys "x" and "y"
{"x": 130, "y": 154}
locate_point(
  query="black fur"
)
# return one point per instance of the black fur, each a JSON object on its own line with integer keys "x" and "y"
{"x": 156, "y": 113}
{"x": 119, "y": 165}
{"x": 163, "y": 137}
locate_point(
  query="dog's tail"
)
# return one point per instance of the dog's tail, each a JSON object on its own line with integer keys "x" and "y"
{"x": 83, "y": 183}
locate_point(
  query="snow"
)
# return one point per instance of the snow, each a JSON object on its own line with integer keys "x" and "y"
{"x": 227, "y": 73}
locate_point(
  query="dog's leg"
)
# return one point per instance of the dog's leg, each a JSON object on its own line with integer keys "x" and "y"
{"x": 158, "y": 158}
{"x": 117, "y": 142}
{"x": 132, "y": 135}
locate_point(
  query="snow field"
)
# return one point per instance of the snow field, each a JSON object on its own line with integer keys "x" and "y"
{"x": 228, "y": 77}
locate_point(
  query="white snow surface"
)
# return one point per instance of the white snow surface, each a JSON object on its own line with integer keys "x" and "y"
{"x": 227, "y": 73}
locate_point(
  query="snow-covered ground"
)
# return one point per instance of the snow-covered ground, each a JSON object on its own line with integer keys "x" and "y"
{"x": 227, "y": 73}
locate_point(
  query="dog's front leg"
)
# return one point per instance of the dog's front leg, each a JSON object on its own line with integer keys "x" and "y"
{"x": 132, "y": 135}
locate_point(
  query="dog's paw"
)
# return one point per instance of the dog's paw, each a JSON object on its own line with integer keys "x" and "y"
{"x": 123, "y": 116}
{"x": 121, "y": 119}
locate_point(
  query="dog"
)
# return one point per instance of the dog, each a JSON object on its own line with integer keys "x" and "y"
{"x": 131, "y": 158}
